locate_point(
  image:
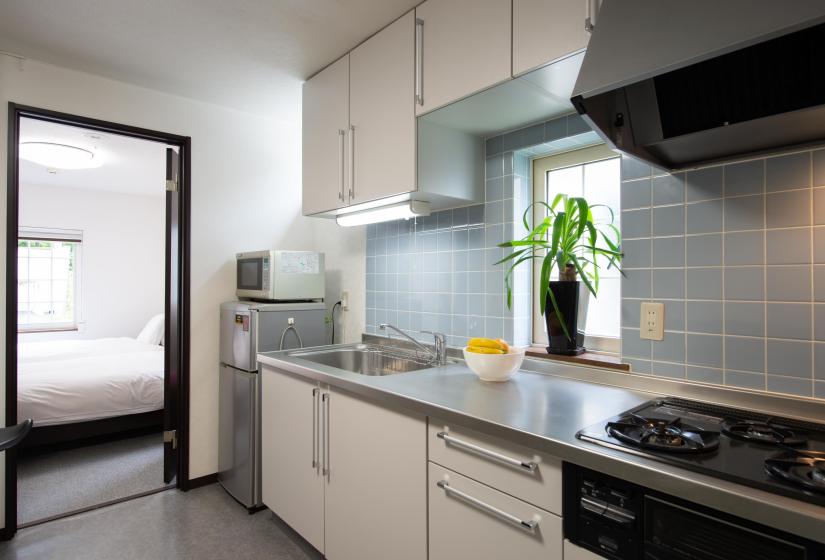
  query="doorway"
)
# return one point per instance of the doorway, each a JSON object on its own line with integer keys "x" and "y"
{"x": 113, "y": 432}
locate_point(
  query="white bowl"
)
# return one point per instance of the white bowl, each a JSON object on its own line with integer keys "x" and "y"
{"x": 495, "y": 367}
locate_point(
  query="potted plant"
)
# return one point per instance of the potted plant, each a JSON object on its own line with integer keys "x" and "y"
{"x": 569, "y": 241}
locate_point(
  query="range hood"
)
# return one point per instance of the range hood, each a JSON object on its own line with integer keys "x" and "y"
{"x": 680, "y": 83}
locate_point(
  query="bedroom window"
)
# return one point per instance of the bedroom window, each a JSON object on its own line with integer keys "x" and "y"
{"x": 593, "y": 173}
{"x": 48, "y": 279}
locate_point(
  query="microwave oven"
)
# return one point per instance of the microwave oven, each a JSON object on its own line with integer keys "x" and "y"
{"x": 280, "y": 276}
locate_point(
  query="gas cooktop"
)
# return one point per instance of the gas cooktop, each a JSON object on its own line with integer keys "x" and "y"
{"x": 779, "y": 455}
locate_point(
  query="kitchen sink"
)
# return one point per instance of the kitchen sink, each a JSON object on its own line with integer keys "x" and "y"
{"x": 367, "y": 359}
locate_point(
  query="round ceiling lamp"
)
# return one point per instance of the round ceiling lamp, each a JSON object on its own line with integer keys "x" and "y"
{"x": 59, "y": 156}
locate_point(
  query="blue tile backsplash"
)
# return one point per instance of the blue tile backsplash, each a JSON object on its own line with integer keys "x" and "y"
{"x": 735, "y": 252}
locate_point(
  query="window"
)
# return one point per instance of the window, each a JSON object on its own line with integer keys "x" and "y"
{"x": 595, "y": 174}
{"x": 48, "y": 279}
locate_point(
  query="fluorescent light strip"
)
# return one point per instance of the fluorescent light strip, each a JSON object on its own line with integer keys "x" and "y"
{"x": 405, "y": 210}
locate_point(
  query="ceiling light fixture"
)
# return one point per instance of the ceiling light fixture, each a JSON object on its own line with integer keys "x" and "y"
{"x": 59, "y": 156}
{"x": 404, "y": 210}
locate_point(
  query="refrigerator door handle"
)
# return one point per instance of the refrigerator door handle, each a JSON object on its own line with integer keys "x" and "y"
{"x": 315, "y": 462}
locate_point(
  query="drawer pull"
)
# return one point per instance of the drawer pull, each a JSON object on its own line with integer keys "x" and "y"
{"x": 526, "y": 466}
{"x": 529, "y": 526}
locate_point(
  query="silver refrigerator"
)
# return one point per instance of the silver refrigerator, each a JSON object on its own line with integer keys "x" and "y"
{"x": 248, "y": 328}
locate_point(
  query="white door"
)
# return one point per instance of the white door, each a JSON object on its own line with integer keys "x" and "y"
{"x": 382, "y": 113}
{"x": 325, "y": 123}
{"x": 545, "y": 30}
{"x": 291, "y": 486}
{"x": 376, "y": 497}
{"x": 465, "y": 46}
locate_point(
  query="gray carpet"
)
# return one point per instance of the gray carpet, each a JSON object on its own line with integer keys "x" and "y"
{"x": 203, "y": 524}
{"x": 68, "y": 480}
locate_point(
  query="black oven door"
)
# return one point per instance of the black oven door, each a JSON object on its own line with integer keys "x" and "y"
{"x": 673, "y": 532}
{"x": 250, "y": 274}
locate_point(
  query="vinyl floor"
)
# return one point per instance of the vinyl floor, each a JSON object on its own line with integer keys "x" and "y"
{"x": 204, "y": 524}
{"x": 68, "y": 480}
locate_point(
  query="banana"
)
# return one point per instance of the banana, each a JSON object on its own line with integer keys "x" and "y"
{"x": 489, "y": 343}
{"x": 484, "y": 350}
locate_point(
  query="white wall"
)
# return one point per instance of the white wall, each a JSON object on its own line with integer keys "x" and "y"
{"x": 122, "y": 261}
{"x": 246, "y": 195}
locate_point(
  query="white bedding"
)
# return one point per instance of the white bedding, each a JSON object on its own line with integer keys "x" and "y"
{"x": 78, "y": 380}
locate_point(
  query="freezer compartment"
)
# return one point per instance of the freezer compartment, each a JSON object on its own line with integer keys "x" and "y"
{"x": 239, "y": 441}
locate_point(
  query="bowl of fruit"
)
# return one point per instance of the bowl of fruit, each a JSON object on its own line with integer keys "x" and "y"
{"x": 492, "y": 359}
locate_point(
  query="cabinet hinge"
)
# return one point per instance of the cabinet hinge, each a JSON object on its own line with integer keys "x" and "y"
{"x": 171, "y": 436}
{"x": 172, "y": 186}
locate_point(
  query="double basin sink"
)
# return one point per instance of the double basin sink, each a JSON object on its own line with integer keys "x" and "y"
{"x": 367, "y": 359}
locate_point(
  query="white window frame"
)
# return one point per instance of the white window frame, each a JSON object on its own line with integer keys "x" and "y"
{"x": 65, "y": 235}
{"x": 541, "y": 166}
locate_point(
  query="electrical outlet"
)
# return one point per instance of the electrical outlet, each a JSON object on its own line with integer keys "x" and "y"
{"x": 653, "y": 321}
{"x": 345, "y": 300}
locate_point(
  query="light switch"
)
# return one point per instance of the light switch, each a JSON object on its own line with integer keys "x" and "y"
{"x": 652, "y": 321}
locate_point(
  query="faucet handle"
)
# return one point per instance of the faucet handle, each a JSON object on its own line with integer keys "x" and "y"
{"x": 441, "y": 337}
{"x": 440, "y": 346}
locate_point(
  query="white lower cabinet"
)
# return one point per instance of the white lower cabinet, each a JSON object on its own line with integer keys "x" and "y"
{"x": 575, "y": 552}
{"x": 348, "y": 475}
{"x": 471, "y": 520}
{"x": 290, "y": 485}
{"x": 376, "y": 502}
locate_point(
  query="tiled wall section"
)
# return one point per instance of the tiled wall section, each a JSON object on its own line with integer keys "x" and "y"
{"x": 737, "y": 255}
{"x": 438, "y": 273}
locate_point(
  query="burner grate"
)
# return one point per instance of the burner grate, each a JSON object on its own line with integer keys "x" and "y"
{"x": 762, "y": 431}
{"x": 805, "y": 469}
{"x": 657, "y": 434}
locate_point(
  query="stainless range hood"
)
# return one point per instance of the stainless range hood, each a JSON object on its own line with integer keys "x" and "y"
{"x": 679, "y": 83}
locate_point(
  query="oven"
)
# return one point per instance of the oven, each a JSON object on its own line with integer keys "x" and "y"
{"x": 624, "y": 521}
{"x": 280, "y": 276}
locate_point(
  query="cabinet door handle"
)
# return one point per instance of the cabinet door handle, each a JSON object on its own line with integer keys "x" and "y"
{"x": 419, "y": 61}
{"x": 592, "y": 13}
{"x": 325, "y": 428}
{"x": 351, "y": 163}
{"x": 529, "y": 526}
{"x": 527, "y": 466}
{"x": 341, "y": 158}
{"x": 315, "y": 428}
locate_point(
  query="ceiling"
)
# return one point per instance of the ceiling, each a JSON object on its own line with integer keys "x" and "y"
{"x": 130, "y": 165}
{"x": 244, "y": 54}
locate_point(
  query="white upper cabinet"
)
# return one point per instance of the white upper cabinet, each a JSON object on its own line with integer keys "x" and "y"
{"x": 382, "y": 115}
{"x": 325, "y": 124}
{"x": 464, "y": 46}
{"x": 545, "y": 30}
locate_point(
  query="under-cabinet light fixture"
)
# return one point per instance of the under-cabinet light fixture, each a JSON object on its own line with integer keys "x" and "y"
{"x": 403, "y": 210}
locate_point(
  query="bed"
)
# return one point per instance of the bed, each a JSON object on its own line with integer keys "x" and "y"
{"x": 76, "y": 389}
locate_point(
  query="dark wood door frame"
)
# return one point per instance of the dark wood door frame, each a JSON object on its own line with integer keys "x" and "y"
{"x": 177, "y": 354}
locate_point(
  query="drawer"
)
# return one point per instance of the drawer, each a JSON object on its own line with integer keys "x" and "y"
{"x": 517, "y": 470}
{"x": 470, "y": 520}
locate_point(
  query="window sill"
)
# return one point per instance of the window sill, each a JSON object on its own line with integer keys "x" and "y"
{"x": 595, "y": 359}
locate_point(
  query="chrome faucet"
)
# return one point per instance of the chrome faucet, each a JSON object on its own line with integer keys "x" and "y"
{"x": 439, "y": 354}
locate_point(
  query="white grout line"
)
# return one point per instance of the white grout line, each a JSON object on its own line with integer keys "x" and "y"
{"x": 765, "y": 260}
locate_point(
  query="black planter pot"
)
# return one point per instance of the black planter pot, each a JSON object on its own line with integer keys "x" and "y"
{"x": 572, "y": 298}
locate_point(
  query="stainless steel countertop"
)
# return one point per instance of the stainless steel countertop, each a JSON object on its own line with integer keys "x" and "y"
{"x": 544, "y": 410}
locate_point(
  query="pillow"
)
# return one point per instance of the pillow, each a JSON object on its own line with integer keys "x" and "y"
{"x": 152, "y": 333}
